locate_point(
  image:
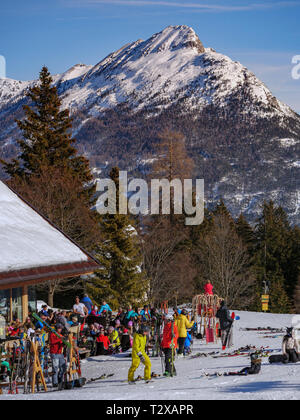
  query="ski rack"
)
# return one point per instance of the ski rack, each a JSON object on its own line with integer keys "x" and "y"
{"x": 204, "y": 310}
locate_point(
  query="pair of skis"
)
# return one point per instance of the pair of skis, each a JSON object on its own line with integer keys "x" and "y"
{"x": 65, "y": 342}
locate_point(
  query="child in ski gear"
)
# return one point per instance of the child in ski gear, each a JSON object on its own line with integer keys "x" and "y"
{"x": 182, "y": 324}
{"x": 226, "y": 321}
{"x": 139, "y": 354}
{"x": 59, "y": 365}
{"x": 169, "y": 345}
{"x": 290, "y": 347}
{"x": 187, "y": 343}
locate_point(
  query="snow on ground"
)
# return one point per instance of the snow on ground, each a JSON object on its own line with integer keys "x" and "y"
{"x": 275, "y": 382}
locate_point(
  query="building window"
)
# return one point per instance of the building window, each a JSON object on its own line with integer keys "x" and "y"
{"x": 32, "y": 299}
{"x": 5, "y": 303}
{"x": 17, "y": 304}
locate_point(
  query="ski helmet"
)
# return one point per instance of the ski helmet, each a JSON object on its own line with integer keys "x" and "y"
{"x": 289, "y": 331}
{"x": 255, "y": 357}
{"x": 169, "y": 317}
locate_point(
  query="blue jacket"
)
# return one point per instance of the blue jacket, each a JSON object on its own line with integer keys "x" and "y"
{"x": 104, "y": 308}
{"x": 87, "y": 302}
{"x": 188, "y": 340}
{"x": 130, "y": 314}
{"x": 145, "y": 314}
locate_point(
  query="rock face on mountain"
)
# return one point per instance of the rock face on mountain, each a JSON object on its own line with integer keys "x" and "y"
{"x": 244, "y": 141}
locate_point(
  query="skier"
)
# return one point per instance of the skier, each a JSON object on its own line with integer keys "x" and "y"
{"x": 225, "y": 324}
{"x": 139, "y": 354}
{"x": 59, "y": 365}
{"x": 290, "y": 347}
{"x": 169, "y": 345}
{"x": 182, "y": 324}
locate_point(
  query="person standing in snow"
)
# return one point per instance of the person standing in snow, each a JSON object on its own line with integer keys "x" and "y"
{"x": 226, "y": 321}
{"x": 139, "y": 354}
{"x": 59, "y": 365}
{"x": 183, "y": 324}
{"x": 169, "y": 345}
{"x": 290, "y": 347}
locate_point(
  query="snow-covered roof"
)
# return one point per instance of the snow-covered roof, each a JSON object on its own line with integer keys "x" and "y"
{"x": 28, "y": 241}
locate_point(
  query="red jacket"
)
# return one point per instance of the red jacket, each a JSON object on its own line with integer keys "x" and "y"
{"x": 209, "y": 289}
{"x": 56, "y": 344}
{"x": 103, "y": 339}
{"x": 167, "y": 336}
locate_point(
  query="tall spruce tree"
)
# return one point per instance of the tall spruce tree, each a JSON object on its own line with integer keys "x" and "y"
{"x": 121, "y": 280}
{"x": 47, "y": 139}
{"x": 273, "y": 254}
{"x": 246, "y": 233}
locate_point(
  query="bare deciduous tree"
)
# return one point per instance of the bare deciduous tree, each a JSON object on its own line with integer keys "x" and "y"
{"x": 168, "y": 268}
{"x": 225, "y": 262}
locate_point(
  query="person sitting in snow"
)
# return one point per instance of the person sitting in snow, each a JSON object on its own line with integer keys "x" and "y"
{"x": 290, "y": 347}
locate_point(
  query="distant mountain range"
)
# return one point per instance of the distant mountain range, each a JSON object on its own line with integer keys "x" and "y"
{"x": 244, "y": 141}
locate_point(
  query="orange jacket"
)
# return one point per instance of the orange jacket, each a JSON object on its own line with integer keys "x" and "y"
{"x": 167, "y": 336}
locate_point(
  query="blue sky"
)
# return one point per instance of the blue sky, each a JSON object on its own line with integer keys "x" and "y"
{"x": 262, "y": 34}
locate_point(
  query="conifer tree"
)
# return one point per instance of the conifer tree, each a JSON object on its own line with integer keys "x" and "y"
{"x": 245, "y": 232}
{"x": 273, "y": 253}
{"x": 121, "y": 279}
{"x": 47, "y": 138}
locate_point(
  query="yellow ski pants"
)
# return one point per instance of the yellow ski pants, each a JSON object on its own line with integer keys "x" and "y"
{"x": 135, "y": 364}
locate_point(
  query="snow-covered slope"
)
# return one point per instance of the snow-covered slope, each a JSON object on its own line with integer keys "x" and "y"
{"x": 170, "y": 67}
{"x": 275, "y": 382}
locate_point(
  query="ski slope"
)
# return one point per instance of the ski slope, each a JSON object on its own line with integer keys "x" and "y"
{"x": 275, "y": 382}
